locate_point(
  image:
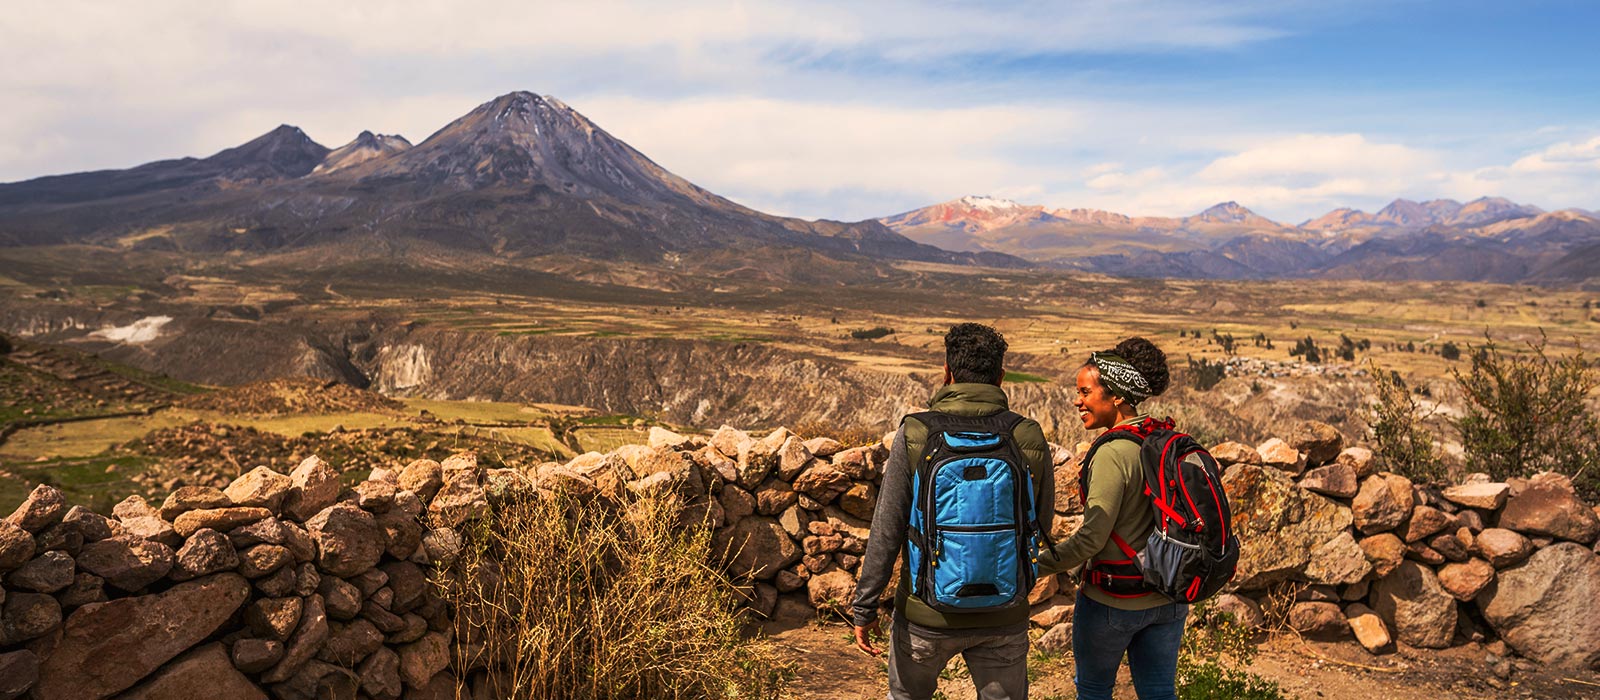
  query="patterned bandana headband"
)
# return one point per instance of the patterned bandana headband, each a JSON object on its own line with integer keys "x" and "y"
{"x": 1120, "y": 377}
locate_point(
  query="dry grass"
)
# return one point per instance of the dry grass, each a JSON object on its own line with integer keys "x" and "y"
{"x": 561, "y": 597}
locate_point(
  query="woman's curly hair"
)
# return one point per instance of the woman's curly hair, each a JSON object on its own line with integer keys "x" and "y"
{"x": 1148, "y": 359}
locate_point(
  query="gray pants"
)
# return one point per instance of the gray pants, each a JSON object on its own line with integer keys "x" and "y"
{"x": 998, "y": 663}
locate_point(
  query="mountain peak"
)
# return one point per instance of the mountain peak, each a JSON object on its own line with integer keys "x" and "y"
{"x": 286, "y": 151}
{"x": 367, "y": 146}
{"x": 987, "y": 203}
{"x": 1229, "y": 212}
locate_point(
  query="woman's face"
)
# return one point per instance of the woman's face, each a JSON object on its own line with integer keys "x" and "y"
{"x": 1096, "y": 406}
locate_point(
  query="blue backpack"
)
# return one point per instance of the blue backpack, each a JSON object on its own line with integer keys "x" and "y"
{"x": 974, "y": 535}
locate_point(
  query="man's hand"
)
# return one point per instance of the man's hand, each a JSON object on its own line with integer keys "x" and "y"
{"x": 864, "y": 634}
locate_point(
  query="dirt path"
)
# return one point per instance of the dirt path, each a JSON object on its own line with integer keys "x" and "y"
{"x": 828, "y": 667}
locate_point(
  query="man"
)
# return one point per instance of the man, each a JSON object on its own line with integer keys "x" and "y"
{"x": 923, "y": 639}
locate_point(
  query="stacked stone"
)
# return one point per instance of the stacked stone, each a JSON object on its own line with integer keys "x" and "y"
{"x": 287, "y": 586}
{"x": 1388, "y": 561}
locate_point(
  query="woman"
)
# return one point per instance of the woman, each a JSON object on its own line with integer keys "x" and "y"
{"x": 1114, "y": 613}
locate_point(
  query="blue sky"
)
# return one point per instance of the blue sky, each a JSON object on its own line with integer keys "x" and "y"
{"x": 849, "y": 110}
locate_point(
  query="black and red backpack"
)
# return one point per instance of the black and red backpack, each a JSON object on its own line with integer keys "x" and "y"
{"x": 1192, "y": 552}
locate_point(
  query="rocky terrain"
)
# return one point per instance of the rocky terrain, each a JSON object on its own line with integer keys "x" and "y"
{"x": 302, "y": 585}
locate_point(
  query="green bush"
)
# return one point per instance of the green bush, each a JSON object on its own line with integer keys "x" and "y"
{"x": 1395, "y": 420}
{"x": 1204, "y": 374}
{"x": 1529, "y": 412}
{"x": 1213, "y": 663}
{"x": 871, "y": 333}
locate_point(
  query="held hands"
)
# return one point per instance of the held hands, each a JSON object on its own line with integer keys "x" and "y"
{"x": 864, "y": 635}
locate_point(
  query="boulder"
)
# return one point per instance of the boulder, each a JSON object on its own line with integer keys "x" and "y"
{"x": 1368, "y": 627}
{"x": 16, "y": 546}
{"x": 1383, "y": 503}
{"x": 50, "y": 572}
{"x": 28, "y": 616}
{"x": 462, "y": 497}
{"x": 757, "y": 547}
{"x": 1338, "y": 561}
{"x": 201, "y": 674}
{"x": 1384, "y": 551}
{"x": 1359, "y": 458}
{"x": 1467, "y": 579}
{"x": 756, "y": 461}
{"x": 348, "y": 539}
{"x": 1056, "y": 640}
{"x": 1245, "y": 612}
{"x": 1337, "y": 480}
{"x": 662, "y": 438}
{"x": 351, "y": 643}
{"x": 274, "y": 618}
{"x": 1549, "y": 507}
{"x": 380, "y": 675}
{"x": 260, "y": 487}
{"x": 1278, "y": 524}
{"x": 375, "y": 496}
{"x": 303, "y": 645}
{"x": 86, "y": 588}
{"x": 1425, "y": 521}
{"x": 263, "y": 560}
{"x": 1318, "y": 441}
{"x": 1455, "y": 546}
{"x": 219, "y": 519}
{"x": 127, "y": 562}
{"x": 19, "y": 670}
{"x": 1415, "y": 606}
{"x": 832, "y": 590}
{"x": 1043, "y": 589}
{"x": 1278, "y": 454}
{"x": 793, "y": 457}
{"x": 1231, "y": 453}
{"x": 1545, "y": 607}
{"x": 1483, "y": 496}
{"x": 858, "y": 463}
{"x": 1052, "y": 612}
{"x": 206, "y": 552}
{"x": 127, "y": 639}
{"x": 313, "y": 486}
{"x": 43, "y": 507}
{"x": 153, "y": 528}
{"x": 256, "y": 655}
{"x": 737, "y": 503}
{"x": 823, "y": 446}
{"x": 421, "y": 660}
{"x": 1424, "y": 554}
{"x": 189, "y": 498}
{"x": 774, "y": 496}
{"x": 422, "y": 477}
{"x": 1501, "y": 547}
{"x": 1318, "y": 620}
{"x": 93, "y": 526}
{"x": 822, "y": 482}
{"x": 860, "y": 500}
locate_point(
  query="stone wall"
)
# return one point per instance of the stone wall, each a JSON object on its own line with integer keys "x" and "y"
{"x": 293, "y": 586}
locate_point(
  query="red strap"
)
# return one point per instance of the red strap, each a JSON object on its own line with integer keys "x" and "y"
{"x": 1123, "y": 545}
{"x": 1166, "y": 509}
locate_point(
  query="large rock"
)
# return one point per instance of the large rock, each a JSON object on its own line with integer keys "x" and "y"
{"x": 43, "y": 507}
{"x": 274, "y": 618}
{"x": 127, "y": 562}
{"x": 1278, "y": 454}
{"x": 822, "y": 482}
{"x": 1384, "y": 502}
{"x": 108, "y": 647}
{"x": 348, "y": 539}
{"x": 313, "y": 485}
{"x": 1545, "y": 608}
{"x": 1501, "y": 547}
{"x": 219, "y": 519}
{"x": 834, "y": 589}
{"x": 1415, "y": 606}
{"x": 1318, "y": 620}
{"x": 1339, "y": 560}
{"x": 50, "y": 572}
{"x": 16, "y": 546}
{"x": 462, "y": 497}
{"x": 1359, "y": 458}
{"x": 1319, "y": 442}
{"x": 1246, "y": 612}
{"x": 189, "y": 498}
{"x": 19, "y": 670}
{"x": 1231, "y": 453}
{"x": 206, "y": 552}
{"x": 28, "y": 616}
{"x": 421, "y": 660}
{"x": 380, "y": 675}
{"x": 260, "y": 487}
{"x": 1337, "y": 480}
{"x": 1548, "y": 506}
{"x": 757, "y": 547}
{"x": 422, "y": 477}
{"x": 1368, "y": 627}
{"x": 1483, "y": 496}
{"x": 1465, "y": 580}
{"x": 1278, "y": 524}
{"x": 309, "y": 636}
{"x": 202, "y": 674}
{"x": 1425, "y": 522}
{"x": 860, "y": 500}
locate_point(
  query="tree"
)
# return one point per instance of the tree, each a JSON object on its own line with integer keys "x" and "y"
{"x": 1450, "y": 351}
{"x": 1395, "y": 419}
{"x": 1529, "y": 412}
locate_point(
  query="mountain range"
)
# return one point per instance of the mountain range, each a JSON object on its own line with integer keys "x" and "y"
{"x": 520, "y": 176}
{"x": 1488, "y": 239}
{"x": 524, "y": 176}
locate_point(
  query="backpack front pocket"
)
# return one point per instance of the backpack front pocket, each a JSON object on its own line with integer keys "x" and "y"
{"x": 976, "y": 567}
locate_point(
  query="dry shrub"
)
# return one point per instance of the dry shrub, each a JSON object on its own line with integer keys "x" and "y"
{"x": 562, "y": 597}
{"x": 847, "y": 435}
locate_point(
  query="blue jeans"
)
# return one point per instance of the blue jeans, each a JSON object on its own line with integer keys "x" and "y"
{"x": 1101, "y": 633}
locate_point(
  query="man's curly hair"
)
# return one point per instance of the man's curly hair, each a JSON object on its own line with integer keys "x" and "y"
{"x": 975, "y": 353}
